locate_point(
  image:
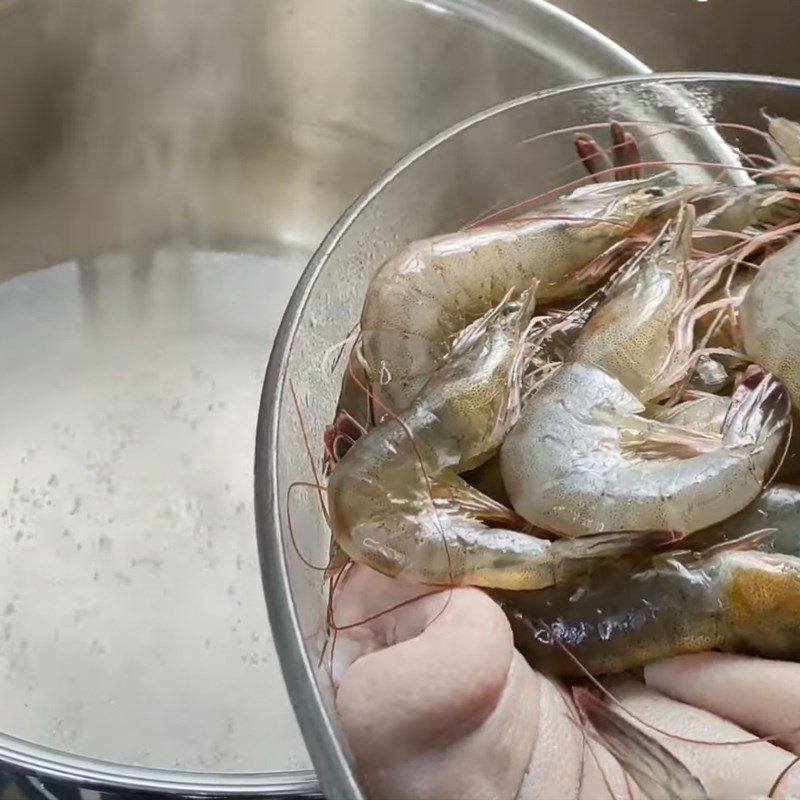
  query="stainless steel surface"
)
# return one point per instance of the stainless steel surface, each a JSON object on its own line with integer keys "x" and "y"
{"x": 167, "y": 169}
{"x": 428, "y": 192}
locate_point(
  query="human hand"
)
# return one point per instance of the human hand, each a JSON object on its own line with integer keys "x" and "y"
{"x": 437, "y": 703}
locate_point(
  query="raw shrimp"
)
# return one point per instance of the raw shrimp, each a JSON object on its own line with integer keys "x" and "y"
{"x": 748, "y": 209}
{"x": 710, "y": 375}
{"x": 582, "y": 459}
{"x": 397, "y": 503}
{"x": 629, "y": 334}
{"x": 770, "y": 317}
{"x": 738, "y": 601}
{"x": 776, "y": 512}
{"x": 704, "y": 413}
{"x": 421, "y": 298}
{"x": 786, "y": 136}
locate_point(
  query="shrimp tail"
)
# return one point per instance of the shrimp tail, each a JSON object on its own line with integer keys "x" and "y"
{"x": 452, "y": 493}
{"x": 785, "y": 140}
{"x": 748, "y": 541}
{"x": 577, "y": 557}
{"x": 660, "y": 774}
{"x": 760, "y": 407}
{"x": 653, "y": 439}
{"x": 340, "y": 437}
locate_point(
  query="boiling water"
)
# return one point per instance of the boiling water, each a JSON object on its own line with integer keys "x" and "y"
{"x": 132, "y": 622}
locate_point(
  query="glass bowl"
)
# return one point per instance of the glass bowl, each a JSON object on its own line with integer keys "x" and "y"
{"x": 491, "y": 160}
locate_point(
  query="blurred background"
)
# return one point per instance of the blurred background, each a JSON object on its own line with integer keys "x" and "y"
{"x": 726, "y": 35}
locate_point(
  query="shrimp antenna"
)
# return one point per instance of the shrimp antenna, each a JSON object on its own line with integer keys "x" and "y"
{"x": 664, "y": 127}
{"x": 290, "y": 525}
{"x": 307, "y": 445}
{"x": 657, "y": 771}
{"x": 578, "y": 182}
{"x": 581, "y": 723}
{"x": 332, "y": 625}
{"x": 782, "y": 776}
{"x": 333, "y": 354}
{"x": 612, "y": 697}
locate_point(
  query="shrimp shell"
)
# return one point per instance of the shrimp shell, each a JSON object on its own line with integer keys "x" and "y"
{"x": 770, "y": 317}
{"x": 582, "y": 459}
{"x": 629, "y": 334}
{"x": 396, "y": 501}
{"x": 420, "y": 299}
{"x": 738, "y": 601}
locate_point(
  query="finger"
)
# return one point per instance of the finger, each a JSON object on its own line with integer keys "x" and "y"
{"x": 760, "y": 695}
{"x": 450, "y": 711}
{"x": 726, "y": 770}
{"x": 591, "y": 154}
{"x": 371, "y": 611}
{"x": 626, "y": 154}
{"x": 557, "y": 761}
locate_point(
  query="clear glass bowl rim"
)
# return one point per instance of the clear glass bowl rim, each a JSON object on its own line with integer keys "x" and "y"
{"x": 325, "y": 746}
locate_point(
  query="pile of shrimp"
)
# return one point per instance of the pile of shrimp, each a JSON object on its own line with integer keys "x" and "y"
{"x": 586, "y": 407}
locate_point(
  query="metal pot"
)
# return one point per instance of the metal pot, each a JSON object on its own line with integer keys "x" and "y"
{"x": 167, "y": 169}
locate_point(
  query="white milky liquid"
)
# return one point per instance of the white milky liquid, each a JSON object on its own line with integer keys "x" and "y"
{"x": 133, "y": 624}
